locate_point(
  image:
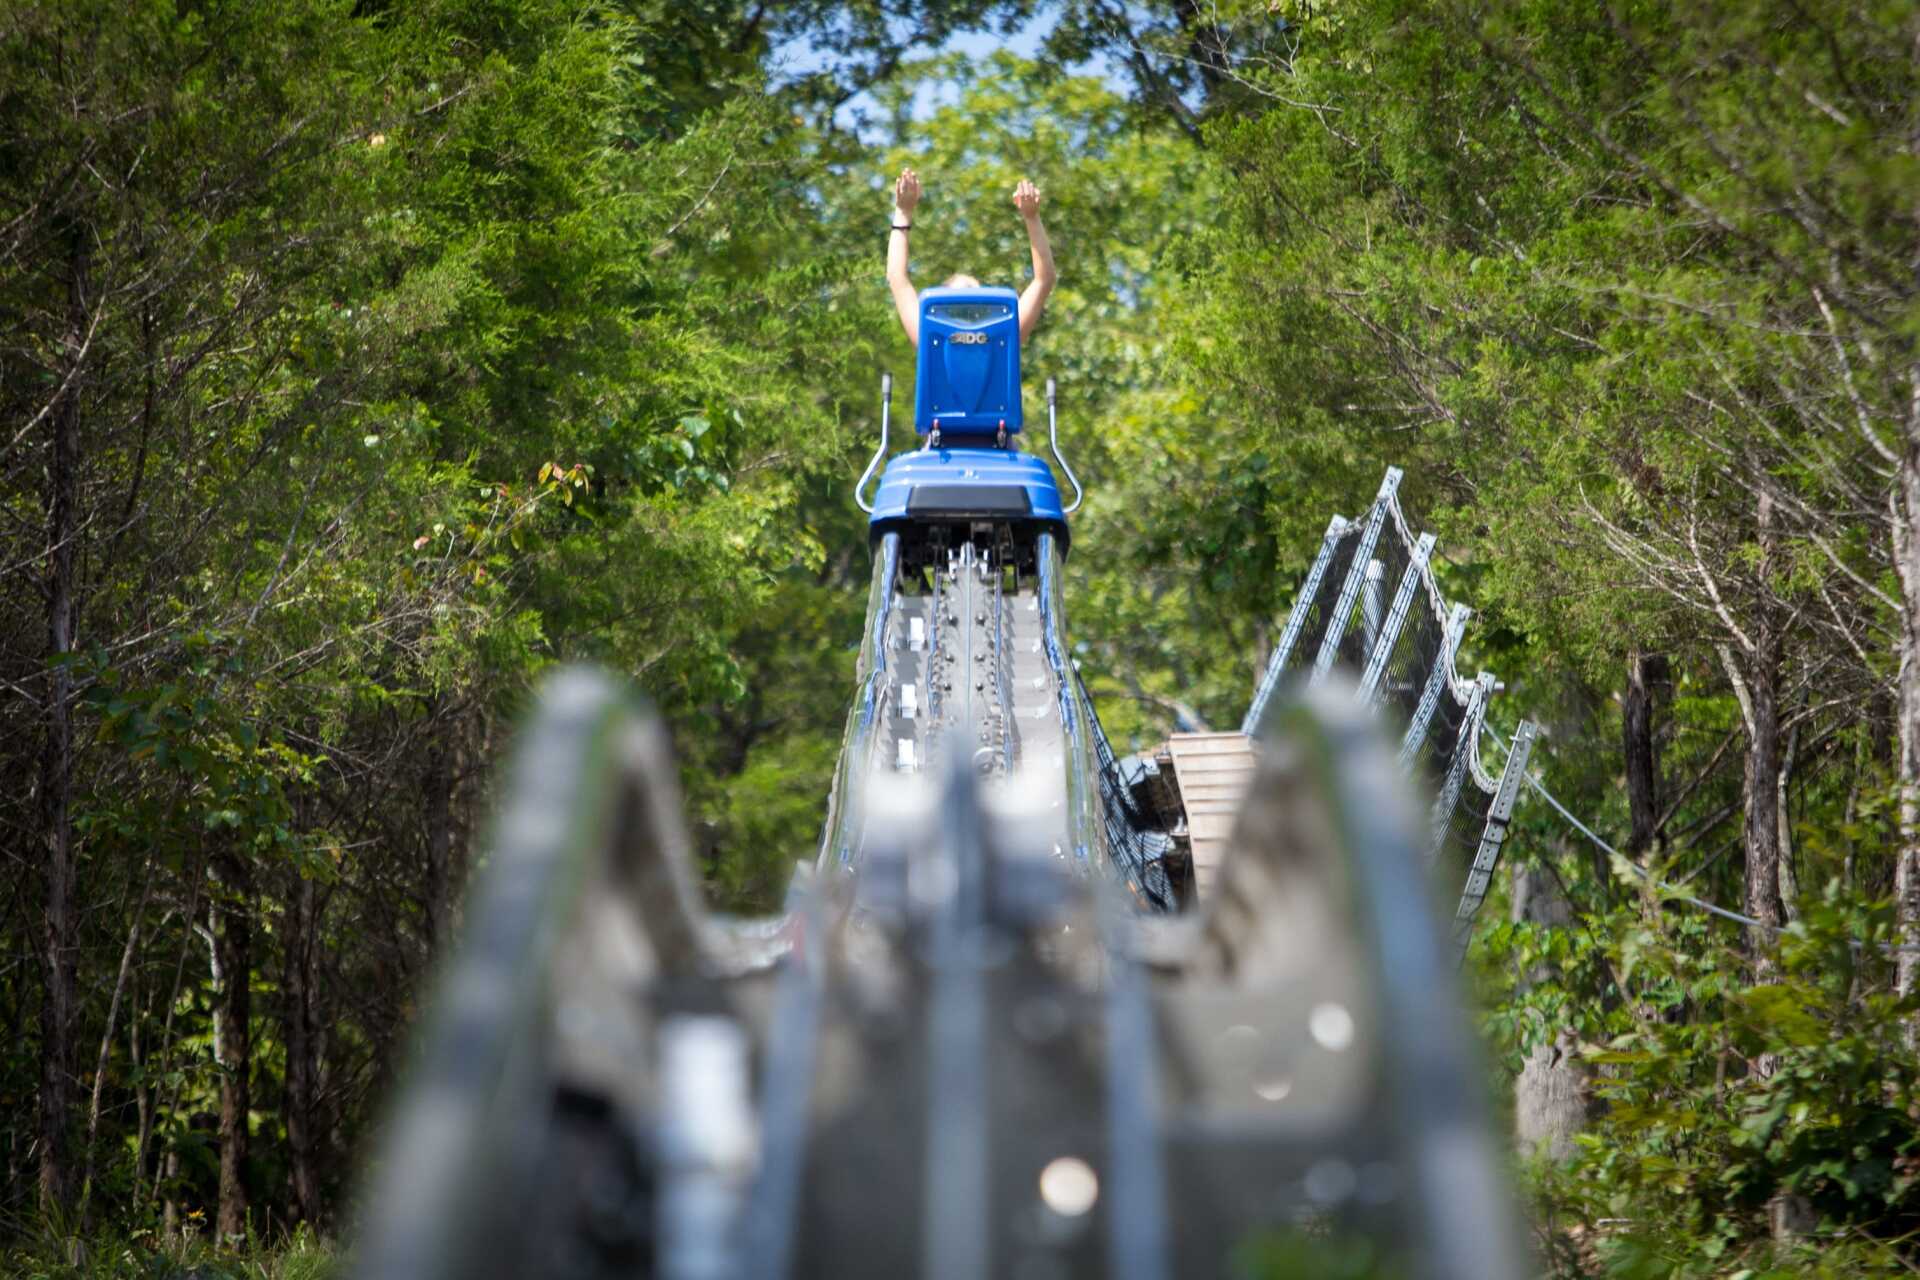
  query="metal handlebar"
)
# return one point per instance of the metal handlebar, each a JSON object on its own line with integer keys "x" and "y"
{"x": 1053, "y": 443}
{"x": 886, "y": 411}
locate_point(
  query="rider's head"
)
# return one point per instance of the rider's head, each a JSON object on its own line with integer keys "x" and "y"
{"x": 961, "y": 281}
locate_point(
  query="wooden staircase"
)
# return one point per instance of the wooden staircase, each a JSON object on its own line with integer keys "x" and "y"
{"x": 1210, "y": 774}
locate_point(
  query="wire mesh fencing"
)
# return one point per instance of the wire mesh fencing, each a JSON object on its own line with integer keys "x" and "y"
{"x": 1371, "y": 609}
{"x": 1136, "y": 842}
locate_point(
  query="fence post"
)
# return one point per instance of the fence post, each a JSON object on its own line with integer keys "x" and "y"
{"x": 1499, "y": 815}
{"x": 1336, "y": 626}
{"x": 1396, "y": 619}
{"x": 1436, "y": 681}
{"x": 1296, "y": 620}
{"x": 1449, "y": 797}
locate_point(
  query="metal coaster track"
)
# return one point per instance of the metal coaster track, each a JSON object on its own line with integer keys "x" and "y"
{"x": 981, "y": 1040}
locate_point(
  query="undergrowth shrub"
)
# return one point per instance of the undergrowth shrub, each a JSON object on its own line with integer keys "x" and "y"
{"x": 53, "y": 1254}
{"x": 1728, "y": 1086}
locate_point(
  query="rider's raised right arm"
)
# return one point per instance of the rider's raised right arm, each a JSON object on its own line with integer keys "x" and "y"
{"x": 906, "y": 299}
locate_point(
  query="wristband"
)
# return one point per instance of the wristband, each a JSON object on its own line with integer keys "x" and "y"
{"x": 897, "y": 227}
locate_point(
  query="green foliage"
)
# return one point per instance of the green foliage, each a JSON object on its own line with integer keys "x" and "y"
{"x": 1716, "y": 1095}
{"x": 1590, "y": 275}
{"x": 1323, "y": 1254}
{"x": 423, "y": 346}
{"x": 98, "y": 1256}
{"x": 1163, "y": 593}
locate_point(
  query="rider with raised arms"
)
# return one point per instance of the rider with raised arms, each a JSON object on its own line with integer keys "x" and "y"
{"x": 906, "y": 299}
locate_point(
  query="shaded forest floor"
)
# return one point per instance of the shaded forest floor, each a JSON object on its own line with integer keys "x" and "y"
{"x": 149, "y": 1256}
{"x": 1565, "y": 1253}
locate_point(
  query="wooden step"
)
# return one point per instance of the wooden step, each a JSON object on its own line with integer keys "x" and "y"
{"x": 1212, "y": 771}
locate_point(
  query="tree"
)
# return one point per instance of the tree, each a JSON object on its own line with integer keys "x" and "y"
{"x": 360, "y": 362}
{"x": 1620, "y": 290}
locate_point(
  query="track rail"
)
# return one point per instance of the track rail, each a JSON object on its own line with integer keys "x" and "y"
{"x": 959, "y": 1000}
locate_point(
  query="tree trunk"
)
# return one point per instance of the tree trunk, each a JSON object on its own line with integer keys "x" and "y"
{"x": 60, "y": 940}
{"x": 233, "y": 951}
{"x": 142, "y": 1093}
{"x": 1789, "y": 877}
{"x": 439, "y": 804}
{"x": 106, "y": 1042}
{"x": 1906, "y": 563}
{"x": 1762, "y": 795}
{"x": 1645, "y": 673}
{"x": 169, "y": 1179}
{"x": 302, "y": 1131}
{"x": 1550, "y": 1095}
{"x": 1906, "y": 872}
{"x": 166, "y": 1102}
{"x": 20, "y": 1183}
{"x": 1754, "y": 673}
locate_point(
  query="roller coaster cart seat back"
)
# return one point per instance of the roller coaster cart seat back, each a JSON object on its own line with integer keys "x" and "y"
{"x": 970, "y": 481}
{"x": 969, "y": 363}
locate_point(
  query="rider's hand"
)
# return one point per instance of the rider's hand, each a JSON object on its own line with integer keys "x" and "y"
{"x": 906, "y": 191}
{"x": 1026, "y": 198}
